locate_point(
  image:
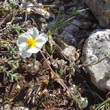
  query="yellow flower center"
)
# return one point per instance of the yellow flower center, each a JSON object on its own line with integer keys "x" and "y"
{"x": 31, "y": 42}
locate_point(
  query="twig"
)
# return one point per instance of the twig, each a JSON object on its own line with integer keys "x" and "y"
{"x": 80, "y": 65}
{"x": 4, "y": 19}
{"x": 60, "y": 81}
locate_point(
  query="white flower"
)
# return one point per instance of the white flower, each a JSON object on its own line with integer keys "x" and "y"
{"x": 31, "y": 42}
{"x": 86, "y": 101}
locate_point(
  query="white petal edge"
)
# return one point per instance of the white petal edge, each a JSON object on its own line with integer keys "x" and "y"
{"x": 23, "y": 38}
{"x": 33, "y": 50}
{"x": 23, "y": 45}
{"x": 33, "y": 32}
{"x": 42, "y": 38}
{"x": 23, "y": 51}
{"x": 25, "y": 54}
{"x": 39, "y": 45}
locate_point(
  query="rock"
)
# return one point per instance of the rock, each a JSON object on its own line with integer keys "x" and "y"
{"x": 30, "y": 6}
{"x": 101, "y": 10}
{"x": 6, "y": 107}
{"x": 70, "y": 52}
{"x": 68, "y": 38}
{"x": 71, "y": 28}
{"x": 83, "y": 23}
{"x": 96, "y": 48}
{"x": 43, "y": 24}
{"x": 67, "y": 34}
{"x": 20, "y": 108}
{"x": 76, "y": 22}
{"x": 42, "y": 12}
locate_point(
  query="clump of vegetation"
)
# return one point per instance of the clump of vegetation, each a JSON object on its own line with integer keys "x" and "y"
{"x": 33, "y": 71}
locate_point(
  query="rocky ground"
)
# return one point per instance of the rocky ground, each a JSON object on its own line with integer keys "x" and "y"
{"x": 58, "y": 80}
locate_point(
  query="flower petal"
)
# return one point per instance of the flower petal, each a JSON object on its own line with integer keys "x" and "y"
{"x": 33, "y": 32}
{"x": 39, "y": 45}
{"x": 22, "y": 38}
{"x": 33, "y": 50}
{"x": 23, "y": 45}
{"x": 23, "y": 51}
{"x": 42, "y": 38}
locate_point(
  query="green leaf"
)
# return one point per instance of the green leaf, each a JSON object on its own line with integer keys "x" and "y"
{"x": 62, "y": 24}
{"x": 16, "y": 10}
{"x": 50, "y": 46}
{"x": 14, "y": 77}
{"x": 79, "y": 11}
{"x": 4, "y": 42}
{"x": 84, "y": 103}
{"x": 76, "y": 99}
{"x": 3, "y": 68}
{"x": 84, "y": 69}
{"x": 9, "y": 10}
{"x": 78, "y": 62}
{"x": 61, "y": 71}
{"x": 54, "y": 28}
{"x": 103, "y": 103}
{"x": 76, "y": 90}
{"x": 55, "y": 11}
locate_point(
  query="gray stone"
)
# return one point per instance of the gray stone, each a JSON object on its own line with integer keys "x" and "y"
{"x": 76, "y": 22}
{"x": 101, "y": 10}
{"x": 30, "y": 6}
{"x": 5, "y": 107}
{"x": 84, "y": 24}
{"x": 20, "y": 108}
{"x": 70, "y": 53}
{"x": 62, "y": 8}
{"x": 68, "y": 38}
{"x": 69, "y": 50}
{"x": 8, "y": 107}
{"x": 71, "y": 28}
{"x": 96, "y": 48}
{"x": 67, "y": 34}
{"x": 42, "y": 12}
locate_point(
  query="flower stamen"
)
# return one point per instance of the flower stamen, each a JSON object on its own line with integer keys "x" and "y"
{"x": 31, "y": 42}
